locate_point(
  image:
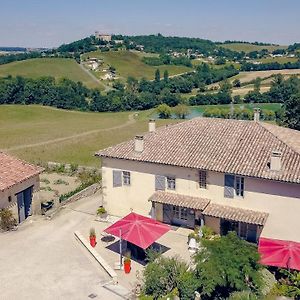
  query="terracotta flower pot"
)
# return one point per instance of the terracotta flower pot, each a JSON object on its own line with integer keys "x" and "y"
{"x": 127, "y": 266}
{"x": 93, "y": 241}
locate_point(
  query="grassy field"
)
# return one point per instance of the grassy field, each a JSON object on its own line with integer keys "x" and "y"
{"x": 37, "y": 133}
{"x": 250, "y": 47}
{"x": 128, "y": 63}
{"x": 56, "y": 67}
{"x": 41, "y": 134}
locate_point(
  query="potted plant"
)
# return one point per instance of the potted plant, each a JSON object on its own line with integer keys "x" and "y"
{"x": 101, "y": 212}
{"x": 127, "y": 264}
{"x": 93, "y": 237}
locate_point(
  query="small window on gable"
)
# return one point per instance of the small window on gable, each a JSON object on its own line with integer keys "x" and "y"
{"x": 9, "y": 198}
{"x": 171, "y": 183}
{"x": 202, "y": 179}
{"x": 126, "y": 178}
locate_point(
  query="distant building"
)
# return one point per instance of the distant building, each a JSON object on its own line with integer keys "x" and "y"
{"x": 103, "y": 37}
{"x": 120, "y": 42}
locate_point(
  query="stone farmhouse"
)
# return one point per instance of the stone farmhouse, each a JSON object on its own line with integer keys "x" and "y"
{"x": 230, "y": 175}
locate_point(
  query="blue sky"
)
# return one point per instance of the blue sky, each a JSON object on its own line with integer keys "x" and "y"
{"x": 47, "y": 23}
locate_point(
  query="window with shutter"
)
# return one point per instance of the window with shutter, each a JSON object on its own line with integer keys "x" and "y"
{"x": 117, "y": 178}
{"x": 160, "y": 183}
{"x": 229, "y": 186}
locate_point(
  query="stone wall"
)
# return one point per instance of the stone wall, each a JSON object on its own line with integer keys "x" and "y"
{"x": 90, "y": 190}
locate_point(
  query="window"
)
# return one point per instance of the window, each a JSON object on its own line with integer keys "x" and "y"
{"x": 126, "y": 178}
{"x": 202, "y": 179}
{"x": 9, "y": 198}
{"x": 239, "y": 186}
{"x": 183, "y": 214}
{"x": 176, "y": 211}
{"x": 243, "y": 230}
{"x": 171, "y": 183}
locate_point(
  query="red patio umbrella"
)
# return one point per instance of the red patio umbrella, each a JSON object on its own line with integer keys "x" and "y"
{"x": 138, "y": 230}
{"x": 279, "y": 253}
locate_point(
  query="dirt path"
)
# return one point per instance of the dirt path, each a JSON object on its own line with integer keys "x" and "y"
{"x": 130, "y": 121}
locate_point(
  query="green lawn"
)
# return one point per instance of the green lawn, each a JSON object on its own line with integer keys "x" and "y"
{"x": 129, "y": 63}
{"x": 56, "y": 67}
{"x": 25, "y": 131}
{"x": 250, "y": 47}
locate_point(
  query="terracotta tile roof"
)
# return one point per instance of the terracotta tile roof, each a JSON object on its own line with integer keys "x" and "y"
{"x": 179, "y": 200}
{"x": 227, "y": 146}
{"x": 14, "y": 171}
{"x": 235, "y": 214}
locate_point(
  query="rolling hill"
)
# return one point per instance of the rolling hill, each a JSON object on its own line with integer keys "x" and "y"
{"x": 248, "y": 47}
{"x": 56, "y": 67}
{"x": 129, "y": 63}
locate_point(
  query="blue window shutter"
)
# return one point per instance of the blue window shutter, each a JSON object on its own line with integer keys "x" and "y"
{"x": 160, "y": 183}
{"x": 117, "y": 178}
{"x": 229, "y": 186}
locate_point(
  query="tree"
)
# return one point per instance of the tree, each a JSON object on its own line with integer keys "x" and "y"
{"x": 181, "y": 111}
{"x": 226, "y": 265}
{"x": 157, "y": 75}
{"x": 292, "y": 112}
{"x": 166, "y": 76}
{"x": 236, "y": 83}
{"x": 164, "y": 111}
{"x": 257, "y": 85}
{"x": 162, "y": 276}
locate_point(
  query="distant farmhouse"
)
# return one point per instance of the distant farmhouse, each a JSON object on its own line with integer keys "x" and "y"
{"x": 18, "y": 182}
{"x": 230, "y": 175}
{"x": 103, "y": 37}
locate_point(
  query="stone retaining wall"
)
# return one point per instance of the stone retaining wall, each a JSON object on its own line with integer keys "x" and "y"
{"x": 90, "y": 190}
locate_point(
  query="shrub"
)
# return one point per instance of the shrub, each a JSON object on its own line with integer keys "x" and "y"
{"x": 226, "y": 265}
{"x": 7, "y": 221}
{"x": 187, "y": 285}
{"x": 101, "y": 210}
{"x": 244, "y": 295}
{"x": 162, "y": 276}
{"x": 92, "y": 232}
{"x": 207, "y": 232}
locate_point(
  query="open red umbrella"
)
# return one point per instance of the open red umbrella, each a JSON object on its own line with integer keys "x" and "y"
{"x": 138, "y": 230}
{"x": 279, "y": 253}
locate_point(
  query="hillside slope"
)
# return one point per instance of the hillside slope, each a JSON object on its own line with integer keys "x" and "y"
{"x": 56, "y": 67}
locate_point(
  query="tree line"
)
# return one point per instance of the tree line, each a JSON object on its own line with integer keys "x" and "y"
{"x": 247, "y": 66}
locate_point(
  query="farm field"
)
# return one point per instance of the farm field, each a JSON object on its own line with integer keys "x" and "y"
{"x": 56, "y": 67}
{"x": 249, "y": 47}
{"x": 38, "y": 133}
{"x": 249, "y": 76}
{"x": 129, "y": 63}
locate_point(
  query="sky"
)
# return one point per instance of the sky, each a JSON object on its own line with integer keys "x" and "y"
{"x": 45, "y": 23}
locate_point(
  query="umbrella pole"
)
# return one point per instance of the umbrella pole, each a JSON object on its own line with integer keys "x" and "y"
{"x": 120, "y": 249}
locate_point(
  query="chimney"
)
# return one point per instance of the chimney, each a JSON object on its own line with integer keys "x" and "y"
{"x": 256, "y": 114}
{"x": 139, "y": 143}
{"x": 275, "y": 164}
{"x": 151, "y": 125}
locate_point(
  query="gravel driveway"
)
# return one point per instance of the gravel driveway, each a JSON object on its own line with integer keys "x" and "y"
{"x": 42, "y": 259}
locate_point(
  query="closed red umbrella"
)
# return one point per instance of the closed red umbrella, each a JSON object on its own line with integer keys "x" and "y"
{"x": 138, "y": 230}
{"x": 279, "y": 253}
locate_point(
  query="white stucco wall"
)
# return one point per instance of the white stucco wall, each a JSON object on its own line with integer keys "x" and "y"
{"x": 280, "y": 200}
